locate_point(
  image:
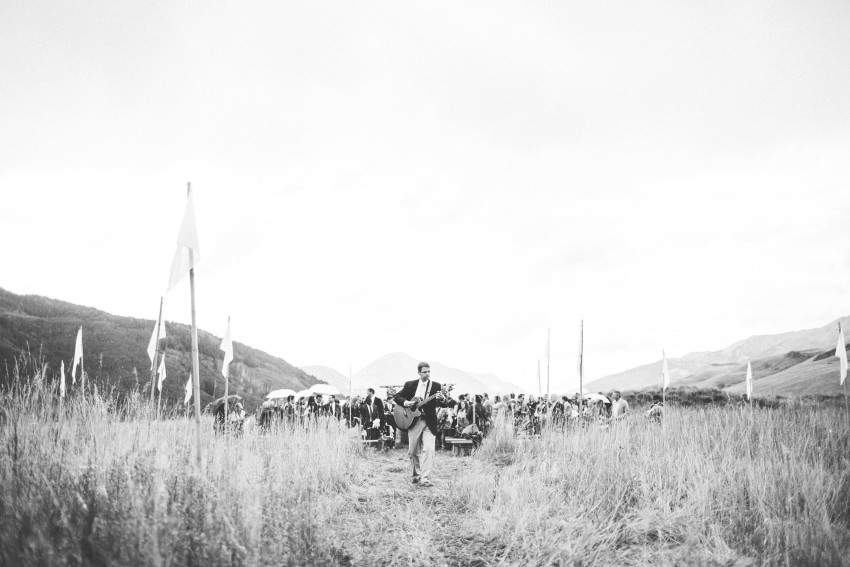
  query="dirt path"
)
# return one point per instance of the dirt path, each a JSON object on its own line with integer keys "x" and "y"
{"x": 394, "y": 522}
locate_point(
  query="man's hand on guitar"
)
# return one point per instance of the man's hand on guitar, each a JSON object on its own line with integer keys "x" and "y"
{"x": 409, "y": 404}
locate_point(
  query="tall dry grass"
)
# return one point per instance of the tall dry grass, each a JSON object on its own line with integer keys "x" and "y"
{"x": 97, "y": 483}
{"x": 710, "y": 486}
{"x": 100, "y": 484}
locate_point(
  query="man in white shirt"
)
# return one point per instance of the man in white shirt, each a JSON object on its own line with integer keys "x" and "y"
{"x": 619, "y": 406}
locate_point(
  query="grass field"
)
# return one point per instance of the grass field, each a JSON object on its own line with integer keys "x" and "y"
{"x": 716, "y": 486}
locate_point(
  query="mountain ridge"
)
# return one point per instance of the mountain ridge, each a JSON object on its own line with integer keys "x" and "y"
{"x": 774, "y": 354}
{"x": 115, "y": 347}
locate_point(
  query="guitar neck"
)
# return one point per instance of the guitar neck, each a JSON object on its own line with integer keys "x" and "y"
{"x": 426, "y": 400}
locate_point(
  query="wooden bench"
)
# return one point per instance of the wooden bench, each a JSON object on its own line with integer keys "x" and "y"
{"x": 460, "y": 446}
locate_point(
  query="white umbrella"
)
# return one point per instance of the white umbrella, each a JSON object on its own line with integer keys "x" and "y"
{"x": 325, "y": 390}
{"x": 283, "y": 393}
{"x": 303, "y": 394}
{"x": 597, "y": 397}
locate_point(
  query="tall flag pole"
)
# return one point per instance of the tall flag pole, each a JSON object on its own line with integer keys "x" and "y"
{"x": 227, "y": 347}
{"x": 841, "y": 353}
{"x": 186, "y": 257}
{"x": 749, "y": 382}
{"x": 78, "y": 359}
{"x": 153, "y": 345}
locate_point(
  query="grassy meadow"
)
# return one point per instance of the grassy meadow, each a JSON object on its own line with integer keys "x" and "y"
{"x": 99, "y": 484}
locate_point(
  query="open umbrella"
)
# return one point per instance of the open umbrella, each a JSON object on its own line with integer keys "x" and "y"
{"x": 282, "y": 393}
{"x": 303, "y": 394}
{"x": 596, "y": 398}
{"x": 325, "y": 390}
{"x": 213, "y": 406}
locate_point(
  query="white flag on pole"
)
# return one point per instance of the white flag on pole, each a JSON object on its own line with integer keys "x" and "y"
{"x": 152, "y": 345}
{"x": 188, "y": 253}
{"x": 188, "y": 390}
{"x": 78, "y": 355}
{"x": 841, "y": 353}
{"x": 62, "y": 380}
{"x": 227, "y": 347}
{"x": 161, "y": 372}
{"x": 749, "y": 381}
{"x": 665, "y": 371}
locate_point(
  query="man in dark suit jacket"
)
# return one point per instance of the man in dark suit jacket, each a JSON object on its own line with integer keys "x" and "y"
{"x": 370, "y": 410}
{"x": 422, "y": 434}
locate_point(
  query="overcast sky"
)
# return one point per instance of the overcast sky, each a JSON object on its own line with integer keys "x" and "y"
{"x": 445, "y": 179}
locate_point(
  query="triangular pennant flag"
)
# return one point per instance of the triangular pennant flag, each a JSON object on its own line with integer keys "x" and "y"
{"x": 665, "y": 371}
{"x": 161, "y": 372}
{"x": 78, "y": 355}
{"x": 62, "y": 380}
{"x": 749, "y": 381}
{"x": 188, "y": 390}
{"x": 227, "y": 347}
{"x": 152, "y": 345}
{"x": 841, "y": 353}
{"x": 188, "y": 253}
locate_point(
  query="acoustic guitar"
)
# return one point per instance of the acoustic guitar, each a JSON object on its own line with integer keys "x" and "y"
{"x": 405, "y": 417}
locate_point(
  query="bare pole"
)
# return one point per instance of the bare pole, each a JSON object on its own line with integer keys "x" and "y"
{"x": 156, "y": 350}
{"x": 350, "y": 399}
{"x": 548, "y": 360}
{"x": 581, "y": 364}
{"x": 196, "y": 366}
{"x": 663, "y": 391}
{"x": 226, "y": 401}
{"x": 846, "y": 405}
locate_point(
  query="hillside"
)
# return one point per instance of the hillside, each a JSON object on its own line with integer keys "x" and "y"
{"x": 727, "y": 367}
{"x": 115, "y": 350}
{"x": 812, "y": 376}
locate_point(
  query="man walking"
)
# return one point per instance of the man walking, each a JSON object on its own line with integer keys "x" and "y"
{"x": 422, "y": 434}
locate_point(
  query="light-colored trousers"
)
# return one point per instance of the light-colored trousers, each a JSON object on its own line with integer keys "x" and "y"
{"x": 421, "y": 449}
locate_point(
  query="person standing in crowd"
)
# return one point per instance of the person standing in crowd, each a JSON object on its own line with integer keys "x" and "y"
{"x": 499, "y": 408}
{"x": 422, "y": 434}
{"x": 656, "y": 410}
{"x": 446, "y": 419}
{"x": 478, "y": 414}
{"x": 619, "y": 406}
{"x": 370, "y": 416}
{"x": 379, "y": 405}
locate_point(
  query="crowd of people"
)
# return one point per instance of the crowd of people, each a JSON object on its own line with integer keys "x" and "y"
{"x": 429, "y": 417}
{"x": 528, "y": 414}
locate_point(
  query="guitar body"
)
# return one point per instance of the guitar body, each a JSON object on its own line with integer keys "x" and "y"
{"x": 404, "y": 417}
